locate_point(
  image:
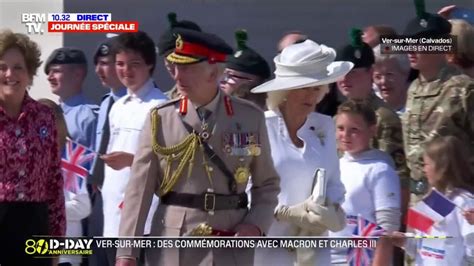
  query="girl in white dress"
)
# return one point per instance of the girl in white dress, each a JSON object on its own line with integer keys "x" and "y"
{"x": 301, "y": 142}
{"x": 449, "y": 172}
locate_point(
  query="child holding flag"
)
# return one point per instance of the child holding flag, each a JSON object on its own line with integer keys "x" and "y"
{"x": 373, "y": 199}
{"x": 77, "y": 201}
{"x": 441, "y": 213}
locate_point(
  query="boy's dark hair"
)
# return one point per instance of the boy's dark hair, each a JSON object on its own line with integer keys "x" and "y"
{"x": 138, "y": 42}
{"x": 359, "y": 107}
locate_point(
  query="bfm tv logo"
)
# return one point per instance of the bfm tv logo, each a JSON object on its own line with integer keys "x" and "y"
{"x": 58, "y": 246}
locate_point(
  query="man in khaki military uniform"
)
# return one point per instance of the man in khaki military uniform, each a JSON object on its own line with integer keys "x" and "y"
{"x": 440, "y": 101}
{"x": 196, "y": 188}
{"x": 357, "y": 85}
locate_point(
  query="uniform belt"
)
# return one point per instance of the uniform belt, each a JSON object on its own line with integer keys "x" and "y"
{"x": 206, "y": 201}
{"x": 418, "y": 187}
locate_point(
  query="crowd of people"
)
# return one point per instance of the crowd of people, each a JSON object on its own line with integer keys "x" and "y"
{"x": 235, "y": 151}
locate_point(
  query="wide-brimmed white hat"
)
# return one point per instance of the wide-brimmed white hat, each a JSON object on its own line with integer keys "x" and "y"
{"x": 305, "y": 64}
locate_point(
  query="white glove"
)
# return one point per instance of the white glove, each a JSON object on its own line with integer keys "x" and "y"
{"x": 332, "y": 216}
{"x": 303, "y": 215}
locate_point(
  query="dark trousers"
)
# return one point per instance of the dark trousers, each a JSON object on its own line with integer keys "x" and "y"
{"x": 20, "y": 221}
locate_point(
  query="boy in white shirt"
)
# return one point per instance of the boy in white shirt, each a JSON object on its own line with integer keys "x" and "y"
{"x": 135, "y": 60}
{"x": 372, "y": 184}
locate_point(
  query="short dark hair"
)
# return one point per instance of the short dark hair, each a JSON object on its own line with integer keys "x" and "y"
{"x": 359, "y": 107}
{"x": 138, "y": 42}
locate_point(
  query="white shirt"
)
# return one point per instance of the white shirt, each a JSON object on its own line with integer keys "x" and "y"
{"x": 372, "y": 184}
{"x": 296, "y": 167}
{"x": 451, "y": 251}
{"x": 127, "y": 118}
{"x": 78, "y": 207}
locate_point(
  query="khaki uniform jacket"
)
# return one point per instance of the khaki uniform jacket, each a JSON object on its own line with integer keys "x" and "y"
{"x": 389, "y": 136}
{"x": 147, "y": 175}
{"x": 444, "y": 106}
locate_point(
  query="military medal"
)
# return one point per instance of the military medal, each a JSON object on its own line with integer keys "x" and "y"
{"x": 183, "y": 105}
{"x": 241, "y": 175}
{"x": 228, "y": 106}
{"x": 254, "y": 150}
{"x": 203, "y": 229}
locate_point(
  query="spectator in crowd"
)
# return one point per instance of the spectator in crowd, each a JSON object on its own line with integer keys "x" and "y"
{"x": 464, "y": 56}
{"x": 135, "y": 61}
{"x": 104, "y": 61}
{"x": 371, "y": 35}
{"x": 66, "y": 69}
{"x": 390, "y": 75}
{"x": 245, "y": 69}
{"x": 449, "y": 172}
{"x": 31, "y": 184}
{"x": 365, "y": 171}
{"x": 78, "y": 205}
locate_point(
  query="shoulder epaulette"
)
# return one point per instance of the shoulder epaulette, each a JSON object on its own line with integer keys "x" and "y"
{"x": 167, "y": 103}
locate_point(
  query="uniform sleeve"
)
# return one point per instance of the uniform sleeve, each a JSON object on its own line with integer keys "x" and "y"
{"x": 335, "y": 188}
{"x": 384, "y": 185}
{"x": 266, "y": 184}
{"x": 390, "y": 140}
{"x": 90, "y": 126}
{"x": 78, "y": 206}
{"x": 55, "y": 198}
{"x": 140, "y": 189}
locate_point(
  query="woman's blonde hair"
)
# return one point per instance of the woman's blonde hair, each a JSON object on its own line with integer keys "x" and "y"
{"x": 275, "y": 98}
{"x": 27, "y": 47}
{"x": 60, "y": 122}
{"x": 451, "y": 161}
{"x": 464, "y": 33}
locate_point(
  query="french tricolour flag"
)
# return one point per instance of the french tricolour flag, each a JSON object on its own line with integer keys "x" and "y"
{"x": 432, "y": 209}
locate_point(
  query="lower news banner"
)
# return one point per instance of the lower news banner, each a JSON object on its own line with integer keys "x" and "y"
{"x": 49, "y": 246}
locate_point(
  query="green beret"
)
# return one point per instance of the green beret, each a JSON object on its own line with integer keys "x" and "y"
{"x": 426, "y": 24}
{"x": 65, "y": 56}
{"x": 246, "y": 60}
{"x": 357, "y": 52}
{"x": 167, "y": 39}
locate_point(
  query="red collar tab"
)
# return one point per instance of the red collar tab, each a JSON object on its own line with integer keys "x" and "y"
{"x": 183, "y": 105}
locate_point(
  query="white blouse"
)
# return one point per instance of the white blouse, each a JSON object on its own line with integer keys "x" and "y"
{"x": 296, "y": 167}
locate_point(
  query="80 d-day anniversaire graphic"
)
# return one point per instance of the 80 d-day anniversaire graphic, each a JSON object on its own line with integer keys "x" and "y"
{"x": 40, "y": 23}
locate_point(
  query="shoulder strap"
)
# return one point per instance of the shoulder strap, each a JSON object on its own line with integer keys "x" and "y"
{"x": 216, "y": 160}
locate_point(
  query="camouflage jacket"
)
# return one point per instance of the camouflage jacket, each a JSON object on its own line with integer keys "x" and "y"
{"x": 444, "y": 106}
{"x": 389, "y": 136}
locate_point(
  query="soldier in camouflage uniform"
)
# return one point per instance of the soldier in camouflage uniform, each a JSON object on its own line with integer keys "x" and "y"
{"x": 357, "y": 85}
{"x": 440, "y": 101}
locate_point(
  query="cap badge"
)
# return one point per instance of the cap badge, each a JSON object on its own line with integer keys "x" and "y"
{"x": 179, "y": 43}
{"x": 104, "y": 49}
{"x": 357, "y": 54}
{"x": 60, "y": 56}
{"x": 423, "y": 23}
{"x": 238, "y": 54}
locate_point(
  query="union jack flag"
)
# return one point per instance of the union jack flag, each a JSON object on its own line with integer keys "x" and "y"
{"x": 363, "y": 256}
{"x": 76, "y": 162}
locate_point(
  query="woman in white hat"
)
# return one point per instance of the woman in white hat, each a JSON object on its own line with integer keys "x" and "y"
{"x": 303, "y": 141}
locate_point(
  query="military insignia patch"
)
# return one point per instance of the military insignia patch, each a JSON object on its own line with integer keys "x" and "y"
{"x": 179, "y": 43}
{"x": 357, "y": 54}
{"x": 60, "y": 56}
{"x": 238, "y": 54}
{"x": 423, "y": 23}
{"x": 104, "y": 49}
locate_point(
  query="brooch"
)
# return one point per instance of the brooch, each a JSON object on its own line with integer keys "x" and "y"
{"x": 43, "y": 132}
